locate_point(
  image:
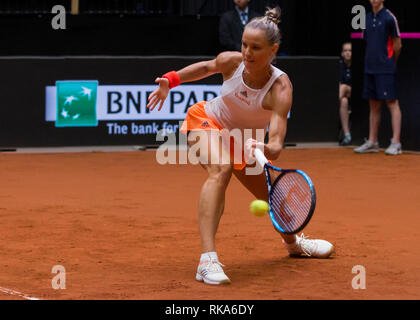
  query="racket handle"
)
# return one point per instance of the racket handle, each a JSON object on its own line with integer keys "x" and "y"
{"x": 259, "y": 155}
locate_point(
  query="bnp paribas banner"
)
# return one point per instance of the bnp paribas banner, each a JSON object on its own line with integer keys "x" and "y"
{"x": 85, "y": 103}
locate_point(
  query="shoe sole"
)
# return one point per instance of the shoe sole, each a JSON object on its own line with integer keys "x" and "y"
{"x": 393, "y": 154}
{"x": 198, "y": 277}
{"x": 367, "y": 151}
{"x": 313, "y": 257}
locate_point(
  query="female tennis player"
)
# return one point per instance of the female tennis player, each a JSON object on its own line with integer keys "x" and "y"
{"x": 254, "y": 94}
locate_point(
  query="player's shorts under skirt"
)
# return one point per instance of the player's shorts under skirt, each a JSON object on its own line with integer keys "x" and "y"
{"x": 197, "y": 119}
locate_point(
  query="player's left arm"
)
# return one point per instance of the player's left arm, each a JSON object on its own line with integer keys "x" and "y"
{"x": 397, "y": 43}
{"x": 394, "y": 32}
{"x": 281, "y": 102}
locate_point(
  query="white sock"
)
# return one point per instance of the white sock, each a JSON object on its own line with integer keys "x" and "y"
{"x": 205, "y": 256}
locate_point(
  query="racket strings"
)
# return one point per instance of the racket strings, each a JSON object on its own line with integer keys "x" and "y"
{"x": 274, "y": 175}
{"x": 291, "y": 201}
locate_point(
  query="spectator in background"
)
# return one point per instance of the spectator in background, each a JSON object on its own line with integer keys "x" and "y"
{"x": 232, "y": 24}
{"x": 383, "y": 47}
{"x": 345, "y": 92}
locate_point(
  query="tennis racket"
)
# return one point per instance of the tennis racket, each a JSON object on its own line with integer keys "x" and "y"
{"x": 291, "y": 196}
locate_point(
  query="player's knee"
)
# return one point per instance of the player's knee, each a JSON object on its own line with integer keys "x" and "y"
{"x": 220, "y": 173}
{"x": 392, "y": 103}
{"x": 348, "y": 92}
{"x": 344, "y": 101}
{"x": 375, "y": 105}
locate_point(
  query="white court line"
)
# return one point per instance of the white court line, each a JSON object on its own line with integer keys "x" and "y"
{"x": 17, "y": 293}
{"x": 128, "y": 148}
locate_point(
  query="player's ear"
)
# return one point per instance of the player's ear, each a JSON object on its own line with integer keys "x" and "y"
{"x": 275, "y": 48}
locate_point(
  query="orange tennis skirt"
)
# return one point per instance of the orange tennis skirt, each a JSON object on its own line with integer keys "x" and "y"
{"x": 197, "y": 119}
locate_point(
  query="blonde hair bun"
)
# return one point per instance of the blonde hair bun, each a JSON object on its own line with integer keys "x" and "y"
{"x": 273, "y": 14}
{"x": 269, "y": 24}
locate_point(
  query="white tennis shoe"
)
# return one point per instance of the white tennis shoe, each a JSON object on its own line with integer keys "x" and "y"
{"x": 368, "y": 147}
{"x": 393, "y": 149}
{"x": 211, "y": 272}
{"x": 309, "y": 247}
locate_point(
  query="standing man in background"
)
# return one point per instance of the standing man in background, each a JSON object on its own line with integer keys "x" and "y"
{"x": 232, "y": 24}
{"x": 345, "y": 92}
{"x": 383, "y": 47}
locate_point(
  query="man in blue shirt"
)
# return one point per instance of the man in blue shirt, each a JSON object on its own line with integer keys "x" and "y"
{"x": 232, "y": 24}
{"x": 383, "y": 47}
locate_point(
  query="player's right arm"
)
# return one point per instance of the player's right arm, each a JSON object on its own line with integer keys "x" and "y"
{"x": 224, "y": 63}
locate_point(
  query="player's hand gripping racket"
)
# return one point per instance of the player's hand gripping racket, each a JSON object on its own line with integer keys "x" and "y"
{"x": 291, "y": 196}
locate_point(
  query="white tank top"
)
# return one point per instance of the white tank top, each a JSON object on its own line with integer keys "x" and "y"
{"x": 240, "y": 106}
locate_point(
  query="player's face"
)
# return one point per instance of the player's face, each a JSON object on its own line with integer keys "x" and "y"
{"x": 346, "y": 53}
{"x": 376, "y": 3}
{"x": 242, "y": 4}
{"x": 257, "y": 52}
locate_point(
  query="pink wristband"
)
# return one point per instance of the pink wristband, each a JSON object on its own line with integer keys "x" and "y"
{"x": 173, "y": 78}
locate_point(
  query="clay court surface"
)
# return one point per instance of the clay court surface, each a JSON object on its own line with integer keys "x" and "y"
{"x": 125, "y": 227}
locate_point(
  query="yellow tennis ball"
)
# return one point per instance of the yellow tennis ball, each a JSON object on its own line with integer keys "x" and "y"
{"x": 259, "y": 207}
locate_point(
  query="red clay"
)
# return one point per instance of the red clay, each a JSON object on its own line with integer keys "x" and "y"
{"x": 125, "y": 227}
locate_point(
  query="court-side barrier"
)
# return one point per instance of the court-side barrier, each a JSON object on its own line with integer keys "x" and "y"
{"x": 80, "y": 101}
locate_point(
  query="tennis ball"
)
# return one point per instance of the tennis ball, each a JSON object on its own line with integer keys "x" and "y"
{"x": 259, "y": 207}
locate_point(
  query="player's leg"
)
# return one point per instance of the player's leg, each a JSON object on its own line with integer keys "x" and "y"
{"x": 212, "y": 195}
{"x": 370, "y": 93}
{"x": 374, "y": 119}
{"x": 213, "y": 159}
{"x": 390, "y": 87}
{"x": 394, "y": 108}
{"x": 372, "y": 145}
{"x": 296, "y": 245}
{"x": 345, "y": 92}
{"x": 344, "y": 103}
{"x": 395, "y": 146}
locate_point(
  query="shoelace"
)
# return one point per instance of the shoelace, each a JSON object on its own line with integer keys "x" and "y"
{"x": 307, "y": 245}
{"x": 214, "y": 266}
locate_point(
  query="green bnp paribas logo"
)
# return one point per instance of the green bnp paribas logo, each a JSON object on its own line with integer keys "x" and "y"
{"x": 76, "y": 103}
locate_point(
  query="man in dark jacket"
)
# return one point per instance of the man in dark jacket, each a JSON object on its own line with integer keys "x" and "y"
{"x": 232, "y": 25}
